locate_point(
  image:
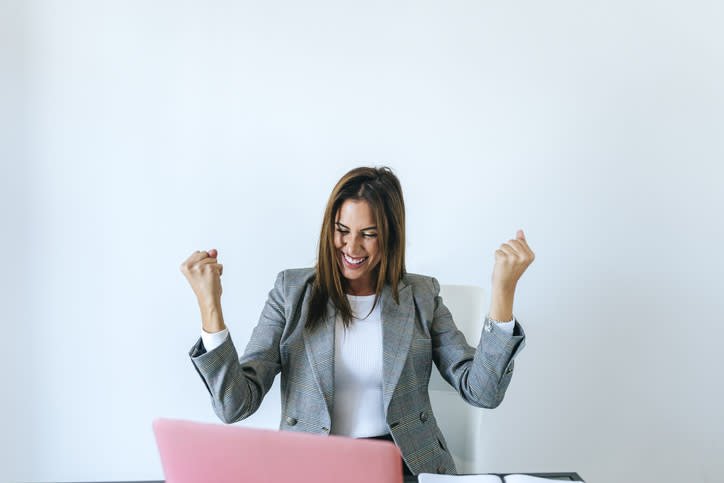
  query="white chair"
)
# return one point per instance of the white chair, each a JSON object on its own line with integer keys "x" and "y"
{"x": 458, "y": 420}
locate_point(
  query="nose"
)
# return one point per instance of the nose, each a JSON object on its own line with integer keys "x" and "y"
{"x": 354, "y": 245}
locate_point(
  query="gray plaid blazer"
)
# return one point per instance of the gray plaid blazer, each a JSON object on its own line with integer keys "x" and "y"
{"x": 417, "y": 332}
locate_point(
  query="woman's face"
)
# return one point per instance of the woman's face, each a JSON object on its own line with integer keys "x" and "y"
{"x": 358, "y": 251}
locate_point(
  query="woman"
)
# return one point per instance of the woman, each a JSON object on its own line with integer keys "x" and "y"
{"x": 355, "y": 336}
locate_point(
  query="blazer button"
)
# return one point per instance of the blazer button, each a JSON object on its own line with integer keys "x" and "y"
{"x": 423, "y": 416}
{"x": 441, "y": 469}
{"x": 291, "y": 421}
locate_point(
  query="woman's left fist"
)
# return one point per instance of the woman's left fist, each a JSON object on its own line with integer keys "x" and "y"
{"x": 511, "y": 260}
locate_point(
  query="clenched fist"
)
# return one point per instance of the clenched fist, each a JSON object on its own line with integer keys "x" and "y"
{"x": 203, "y": 273}
{"x": 511, "y": 260}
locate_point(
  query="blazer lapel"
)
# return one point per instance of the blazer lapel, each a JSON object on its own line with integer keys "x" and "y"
{"x": 319, "y": 345}
{"x": 397, "y": 330}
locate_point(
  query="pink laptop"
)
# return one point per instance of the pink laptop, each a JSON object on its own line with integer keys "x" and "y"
{"x": 199, "y": 453}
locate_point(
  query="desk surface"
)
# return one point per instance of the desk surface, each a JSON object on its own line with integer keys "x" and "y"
{"x": 409, "y": 479}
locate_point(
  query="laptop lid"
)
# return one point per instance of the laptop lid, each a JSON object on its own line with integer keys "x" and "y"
{"x": 194, "y": 452}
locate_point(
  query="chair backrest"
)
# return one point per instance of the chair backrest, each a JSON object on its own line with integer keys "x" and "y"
{"x": 458, "y": 420}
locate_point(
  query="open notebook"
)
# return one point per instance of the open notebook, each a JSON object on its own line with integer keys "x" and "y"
{"x": 432, "y": 478}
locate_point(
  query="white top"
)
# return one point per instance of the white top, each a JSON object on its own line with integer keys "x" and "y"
{"x": 359, "y": 410}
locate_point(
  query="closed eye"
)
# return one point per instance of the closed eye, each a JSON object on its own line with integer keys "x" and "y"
{"x": 366, "y": 235}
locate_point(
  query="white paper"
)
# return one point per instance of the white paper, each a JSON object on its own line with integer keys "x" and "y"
{"x": 525, "y": 479}
{"x": 434, "y": 478}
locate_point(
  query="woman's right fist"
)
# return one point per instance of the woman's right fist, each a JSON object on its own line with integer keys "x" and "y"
{"x": 203, "y": 273}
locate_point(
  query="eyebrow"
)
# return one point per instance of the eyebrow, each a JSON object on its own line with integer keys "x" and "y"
{"x": 363, "y": 229}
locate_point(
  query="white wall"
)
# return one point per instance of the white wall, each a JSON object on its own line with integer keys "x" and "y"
{"x": 138, "y": 132}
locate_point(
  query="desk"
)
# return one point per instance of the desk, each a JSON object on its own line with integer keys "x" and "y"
{"x": 409, "y": 479}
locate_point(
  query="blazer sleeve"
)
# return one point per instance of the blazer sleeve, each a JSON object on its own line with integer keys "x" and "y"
{"x": 236, "y": 384}
{"x": 481, "y": 375}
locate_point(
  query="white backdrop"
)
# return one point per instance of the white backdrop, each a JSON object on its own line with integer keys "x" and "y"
{"x": 134, "y": 133}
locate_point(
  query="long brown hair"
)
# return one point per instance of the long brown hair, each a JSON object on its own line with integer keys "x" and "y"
{"x": 382, "y": 190}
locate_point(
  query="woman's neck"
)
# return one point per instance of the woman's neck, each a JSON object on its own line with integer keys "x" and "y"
{"x": 359, "y": 288}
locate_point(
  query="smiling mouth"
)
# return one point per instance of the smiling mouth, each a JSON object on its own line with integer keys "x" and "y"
{"x": 353, "y": 262}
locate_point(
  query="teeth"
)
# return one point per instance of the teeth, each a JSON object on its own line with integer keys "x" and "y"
{"x": 355, "y": 261}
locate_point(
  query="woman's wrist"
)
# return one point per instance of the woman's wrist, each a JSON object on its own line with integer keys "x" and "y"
{"x": 501, "y": 304}
{"x": 212, "y": 319}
